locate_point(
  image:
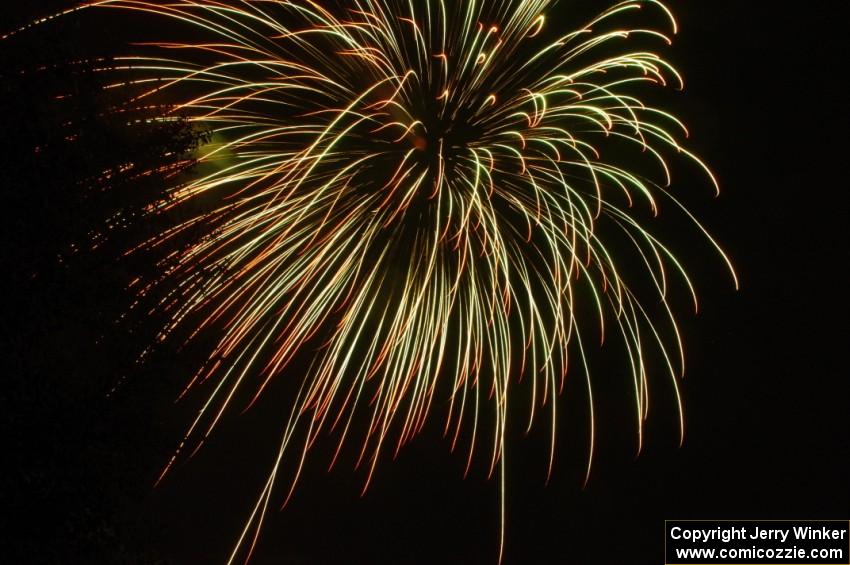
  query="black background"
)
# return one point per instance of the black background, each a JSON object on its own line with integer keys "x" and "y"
{"x": 766, "y": 406}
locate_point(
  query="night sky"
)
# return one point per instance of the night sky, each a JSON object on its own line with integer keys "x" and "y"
{"x": 765, "y": 400}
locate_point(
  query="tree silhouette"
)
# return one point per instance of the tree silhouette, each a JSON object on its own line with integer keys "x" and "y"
{"x": 74, "y": 200}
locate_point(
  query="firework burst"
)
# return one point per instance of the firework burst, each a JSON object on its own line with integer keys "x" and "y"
{"x": 421, "y": 198}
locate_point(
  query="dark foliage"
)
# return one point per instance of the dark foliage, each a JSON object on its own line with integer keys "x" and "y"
{"x": 73, "y": 200}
